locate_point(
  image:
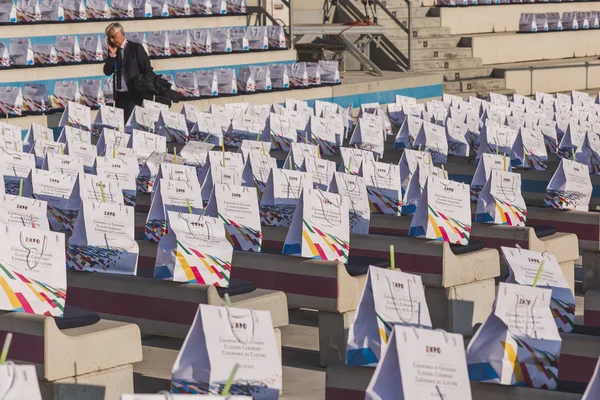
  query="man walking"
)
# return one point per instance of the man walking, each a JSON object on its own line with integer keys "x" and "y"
{"x": 126, "y": 60}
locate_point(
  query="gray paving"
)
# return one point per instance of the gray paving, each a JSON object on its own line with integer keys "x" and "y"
{"x": 303, "y": 377}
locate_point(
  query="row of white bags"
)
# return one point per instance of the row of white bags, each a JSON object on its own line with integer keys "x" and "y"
{"x": 78, "y": 10}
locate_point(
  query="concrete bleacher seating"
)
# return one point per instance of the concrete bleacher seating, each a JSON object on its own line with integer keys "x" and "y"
{"x": 90, "y": 360}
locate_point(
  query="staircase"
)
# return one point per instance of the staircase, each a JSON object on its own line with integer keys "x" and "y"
{"x": 434, "y": 49}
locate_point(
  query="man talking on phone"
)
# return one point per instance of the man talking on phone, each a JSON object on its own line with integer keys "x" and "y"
{"x": 126, "y": 60}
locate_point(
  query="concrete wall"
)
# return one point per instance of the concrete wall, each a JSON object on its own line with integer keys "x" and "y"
{"x": 514, "y": 47}
{"x": 500, "y": 18}
{"x": 574, "y": 77}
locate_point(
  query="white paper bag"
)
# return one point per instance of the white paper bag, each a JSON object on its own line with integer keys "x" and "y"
{"x": 368, "y": 135}
{"x": 414, "y": 190}
{"x": 239, "y": 41}
{"x": 11, "y": 100}
{"x": 496, "y": 139}
{"x": 383, "y": 187}
{"x": 523, "y": 267}
{"x": 45, "y": 54}
{"x": 221, "y": 40}
{"x": 180, "y": 41}
{"x": 443, "y": 213}
{"x": 142, "y": 119}
{"x": 195, "y": 249}
{"x": 43, "y": 147}
{"x": 257, "y": 170}
{"x": 242, "y": 128}
{"x": 276, "y": 36}
{"x": 77, "y": 116}
{"x": 279, "y": 130}
{"x": 158, "y": 44}
{"x": 179, "y": 8}
{"x": 529, "y": 150}
{"x": 237, "y": 207}
{"x": 298, "y": 75}
{"x": 172, "y": 126}
{"x": 123, "y": 9}
{"x": 74, "y": 10}
{"x": 33, "y": 268}
{"x": 280, "y": 76}
{"x": 171, "y": 195}
{"x": 201, "y": 7}
{"x": 103, "y": 240}
{"x": 354, "y": 189}
{"x": 487, "y": 163}
{"x": 8, "y": 12}
{"x": 15, "y": 166}
{"x": 57, "y": 190}
{"x": 281, "y": 194}
{"x": 457, "y": 137}
{"x": 501, "y": 202}
{"x": 91, "y": 91}
{"x": 65, "y": 164}
{"x": 52, "y": 10}
{"x": 28, "y": 11}
{"x": 521, "y": 327}
{"x": 112, "y": 136}
{"x": 226, "y": 80}
{"x": 421, "y": 364}
{"x": 35, "y": 98}
{"x": 329, "y": 72}
{"x": 389, "y": 298}
{"x": 94, "y": 189}
{"x": 219, "y": 338}
{"x": 98, "y": 9}
{"x": 298, "y": 151}
{"x": 91, "y": 47}
{"x": 67, "y": 48}
{"x": 24, "y": 212}
{"x": 570, "y": 187}
{"x": 142, "y": 8}
{"x": 124, "y": 170}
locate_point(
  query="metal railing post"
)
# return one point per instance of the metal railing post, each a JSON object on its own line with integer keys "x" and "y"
{"x": 409, "y": 35}
{"x": 290, "y": 23}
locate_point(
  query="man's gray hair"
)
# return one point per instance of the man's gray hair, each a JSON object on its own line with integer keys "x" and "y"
{"x": 117, "y": 27}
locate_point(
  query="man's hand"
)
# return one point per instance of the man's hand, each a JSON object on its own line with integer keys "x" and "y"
{"x": 112, "y": 50}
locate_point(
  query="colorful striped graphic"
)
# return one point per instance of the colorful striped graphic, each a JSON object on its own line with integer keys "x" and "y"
{"x": 540, "y": 370}
{"x": 563, "y": 199}
{"x": 21, "y": 294}
{"x": 551, "y": 144}
{"x": 95, "y": 258}
{"x": 280, "y": 142}
{"x": 155, "y": 229}
{"x": 380, "y": 201}
{"x": 532, "y": 161}
{"x": 145, "y": 183}
{"x": 326, "y": 147}
{"x": 235, "y": 138}
{"x": 129, "y": 197}
{"x": 280, "y": 215}
{"x": 65, "y": 219}
{"x": 199, "y": 267}
{"x": 474, "y": 192}
{"x": 175, "y": 135}
{"x": 442, "y": 227}
{"x": 323, "y": 245}
{"x": 563, "y": 313}
{"x": 240, "y": 387}
{"x": 506, "y": 214}
{"x": 242, "y": 237}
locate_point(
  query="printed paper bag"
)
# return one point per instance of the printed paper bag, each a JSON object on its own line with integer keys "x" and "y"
{"x": 320, "y": 227}
{"x": 45, "y": 54}
{"x": 8, "y": 12}
{"x": 11, "y": 100}
{"x": 457, "y": 134}
{"x": 236, "y": 6}
{"x": 218, "y": 174}
{"x": 501, "y": 202}
{"x": 496, "y": 140}
{"x": 24, "y": 212}
{"x": 298, "y": 75}
{"x": 172, "y": 126}
{"x": 142, "y": 119}
{"x": 412, "y": 193}
{"x": 98, "y": 9}
{"x": 207, "y": 83}
{"x": 75, "y": 134}
{"x": 354, "y": 189}
{"x": 219, "y": 336}
{"x": 389, "y": 298}
{"x": 103, "y": 240}
{"x": 226, "y": 80}
{"x": 187, "y": 86}
{"x": 239, "y": 41}
{"x": 383, "y": 187}
{"x": 523, "y": 267}
{"x": 201, "y": 38}
{"x": 201, "y": 7}
{"x": 94, "y": 189}
{"x": 237, "y": 207}
{"x": 65, "y": 164}
{"x": 529, "y": 150}
{"x": 160, "y": 8}
{"x": 142, "y": 8}
{"x": 408, "y": 133}
{"x": 572, "y": 141}
{"x": 319, "y": 133}
{"x": 368, "y": 135}
{"x": 67, "y": 47}
{"x": 158, "y": 44}
{"x": 433, "y": 138}
{"x": 519, "y": 343}
{"x": 74, "y": 10}
{"x": 281, "y": 194}
{"x": 589, "y": 153}
{"x": 179, "y": 40}
{"x": 52, "y": 10}
{"x": 20, "y": 51}
{"x": 257, "y": 37}
{"x": 15, "y": 166}
{"x": 171, "y": 195}
{"x": 245, "y": 81}
{"x": 353, "y": 159}
{"x": 195, "y": 249}
{"x": 111, "y": 136}
{"x": 242, "y": 128}
{"x": 487, "y": 163}
{"x": 548, "y": 129}
{"x": 314, "y": 73}
{"x": 148, "y": 172}
{"x": 279, "y": 131}
{"x": 179, "y": 8}
{"x": 276, "y": 36}
{"x": 421, "y": 364}
{"x": 330, "y": 74}
{"x": 221, "y": 40}
{"x": 124, "y": 170}
{"x": 207, "y": 130}
{"x": 145, "y": 144}
{"x": 77, "y": 116}
{"x": 570, "y": 187}
{"x": 28, "y": 11}
{"x": 91, "y": 46}
{"x": 91, "y": 92}
{"x": 43, "y": 147}
{"x": 257, "y": 170}
{"x": 123, "y": 9}
{"x": 443, "y": 213}
{"x": 57, "y": 190}
{"x": 222, "y": 159}
{"x": 298, "y": 152}
{"x": 321, "y": 170}
{"x": 10, "y": 137}
{"x": 33, "y": 276}
{"x": 280, "y": 76}
{"x": 218, "y": 7}
{"x": 86, "y": 152}
{"x": 116, "y": 151}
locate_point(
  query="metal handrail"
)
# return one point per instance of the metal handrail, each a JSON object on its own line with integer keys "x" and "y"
{"x": 262, "y": 10}
{"x": 401, "y": 25}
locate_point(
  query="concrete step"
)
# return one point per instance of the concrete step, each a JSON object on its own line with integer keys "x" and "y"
{"x": 475, "y": 85}
{"x": 449, "y": 53}
{"x": 438, "y": 32}
{"x": 402, "y": 12}
{"x": 420, "y": 22}
{"x": 400, "y": 3}
{"x": 483, "y": 93}
{"x": 458, "y": 74}
{"x": 426, "y": 43}
{"x": 438, "y": 65}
